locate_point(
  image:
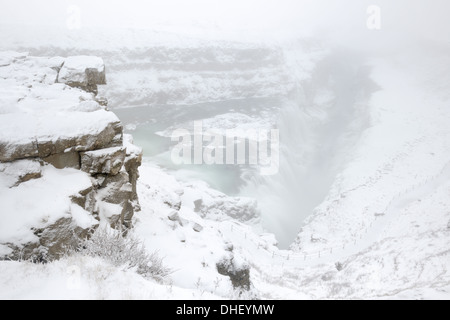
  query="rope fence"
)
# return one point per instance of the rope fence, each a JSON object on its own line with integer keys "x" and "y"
{"x": 294, "y": 256}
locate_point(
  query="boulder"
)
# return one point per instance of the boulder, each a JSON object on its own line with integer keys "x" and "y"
{"x": 83, "y": 72}
{"x": 12, "y": 150}
{"x": 104, "y": 161}
{"x": 197, "y": 227}
{"x": 239, "y": 273}
{"x": 116, "y": 189}
{"x": 174, "y": 216}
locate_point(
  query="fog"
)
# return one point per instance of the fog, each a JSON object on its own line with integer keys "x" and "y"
{"x": 343, "y": 21}
{"x": 405, "y": 26}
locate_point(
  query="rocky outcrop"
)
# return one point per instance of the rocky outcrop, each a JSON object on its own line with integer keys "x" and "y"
{"x": 15, "y": 173}
{"x": 83, "y": 72}
{"x": 239, "y": 273}
{"x": 32, "y": 144}
{"x": 54, "y": 120}
{"x": 104, "y": 161}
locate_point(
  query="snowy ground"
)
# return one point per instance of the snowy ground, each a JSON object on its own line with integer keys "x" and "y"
{"x": 380, "y": 265}
{"x": 382, "y": 231}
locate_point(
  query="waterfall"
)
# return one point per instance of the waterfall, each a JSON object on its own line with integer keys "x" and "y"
{"x": 318, "y": 126}
{"x": 320, "y": 101}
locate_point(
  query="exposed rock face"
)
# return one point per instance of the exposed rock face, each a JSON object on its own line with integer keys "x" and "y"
{"x": 105, "y": 161}
{"x": 64, "y": 160}
{"x": 32, "y": 145}
{"x": 55, "y": 120}
{"x": 83, "y": 72}
{"x": 239, "y": 273}
{"x": 133, "y": 161}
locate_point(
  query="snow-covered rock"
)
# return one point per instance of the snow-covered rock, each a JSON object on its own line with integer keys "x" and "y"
{"x": 215, "y": 205}
{"x": 238, "y": 272}
{"x": 105, "y": 161}
{"x": 83, "y": 72}
{"x": 48, "y": 132}
{"x": 15, "y": 173}
{"x": 133, "y": 161}
{"x": 40, "y": 118}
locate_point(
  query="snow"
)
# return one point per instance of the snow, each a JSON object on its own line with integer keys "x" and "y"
{"x": 104, "y": 152}
{"x": 381, "y": 231}
{"x": 82, "y": 218}
{"x": 4, "y": 250}
{"x": 34, "y": 107}
{"x": 215, "y": 205}
{"x": 39, "y": 202}
{"x": 389, "y": 159}
{"x": 130, "y": 146}
{"x": 107, "y": 210}
{"x": 385, "y": 217}
{"x": 239, "y": 123}
{"x": 11, "y": 173}
{"x": 53, "y": 128}
{"x": 8, "y": 57}
{"x": 87, "y": 106}
{"x": 377, "y": 271}
{"x": 74, "y": 69}
{"x": 80, "y": 278}
{"x": 83, "y": 63}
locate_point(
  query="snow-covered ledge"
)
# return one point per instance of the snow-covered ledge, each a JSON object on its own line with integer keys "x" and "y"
{"x": 65, "y": 164}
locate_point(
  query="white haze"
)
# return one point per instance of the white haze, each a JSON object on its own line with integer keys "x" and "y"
{"x": 405, "y": 26}
{"x": 344, "y": 20}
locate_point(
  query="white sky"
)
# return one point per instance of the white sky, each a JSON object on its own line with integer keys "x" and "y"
{"x": 401, "y": 18}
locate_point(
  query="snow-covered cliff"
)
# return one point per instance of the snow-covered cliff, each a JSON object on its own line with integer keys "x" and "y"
{"x": 65, "y": 164}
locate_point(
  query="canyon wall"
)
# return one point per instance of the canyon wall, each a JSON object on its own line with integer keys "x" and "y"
{"x": 65, "y": 165}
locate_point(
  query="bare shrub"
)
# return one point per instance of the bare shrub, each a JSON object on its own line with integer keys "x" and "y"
{"x": 125, "y": 252}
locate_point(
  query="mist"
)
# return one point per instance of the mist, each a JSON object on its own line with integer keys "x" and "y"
{"x": 408, "y": 29}
{"x": 342, "y": 21}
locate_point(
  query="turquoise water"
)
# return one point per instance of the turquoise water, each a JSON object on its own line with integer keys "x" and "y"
{"x": 315, "y": 136}
{"x": 143, "y": 122}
